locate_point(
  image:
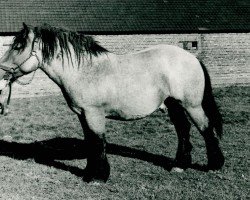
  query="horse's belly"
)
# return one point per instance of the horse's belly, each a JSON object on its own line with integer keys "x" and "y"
{"x": 136, "y": 105}
{"x": 128, "y": 113}
{"x": 120, "y": 115}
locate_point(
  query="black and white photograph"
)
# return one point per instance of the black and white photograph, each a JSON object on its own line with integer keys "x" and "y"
{"x": 124, "y": 99}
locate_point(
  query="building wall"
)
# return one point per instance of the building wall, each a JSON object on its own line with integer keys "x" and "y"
{"x": 226, "y": 55}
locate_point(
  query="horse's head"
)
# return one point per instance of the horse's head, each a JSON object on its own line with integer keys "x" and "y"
{"x": 22, "y": 57}
{"x": 35, "y": 47}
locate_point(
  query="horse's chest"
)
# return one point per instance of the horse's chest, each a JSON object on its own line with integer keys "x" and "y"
{"x": 79, "y": 96}
{"x": 72, "y": 100}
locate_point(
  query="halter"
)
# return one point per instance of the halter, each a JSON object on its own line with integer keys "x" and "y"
{"x": 10, "y": 71}
{"x": 10, "y": 74}
{"x": 33, "y": 53}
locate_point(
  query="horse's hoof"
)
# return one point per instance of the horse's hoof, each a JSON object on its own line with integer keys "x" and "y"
{"x": 93, "y": 178}
{"x": 216, "y": 165}
{"x": 183, "y": 162}
{"x": 87, "y": 177}
{"x": 216, "y": 160}
{"x": 96, "y": 183}
{"x": 97, "y": 173}
{"x": 177, "y": 169}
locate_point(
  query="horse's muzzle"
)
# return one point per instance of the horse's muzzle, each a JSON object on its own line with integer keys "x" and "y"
{"x": 5, "y": 68}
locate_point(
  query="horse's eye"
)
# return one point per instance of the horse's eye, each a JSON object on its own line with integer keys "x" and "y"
{"x": 17, "y": 47}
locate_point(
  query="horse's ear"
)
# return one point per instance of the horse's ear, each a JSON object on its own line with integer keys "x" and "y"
{"x": 25, "y": 26}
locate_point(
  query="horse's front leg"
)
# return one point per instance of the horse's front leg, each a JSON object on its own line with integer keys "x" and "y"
{"x": 93, "y": 124}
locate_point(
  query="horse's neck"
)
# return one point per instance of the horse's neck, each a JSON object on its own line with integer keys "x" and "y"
{"x": 51, "y": 72}
{"x": 64, "y": 73}
{"x": 97, "y": 65}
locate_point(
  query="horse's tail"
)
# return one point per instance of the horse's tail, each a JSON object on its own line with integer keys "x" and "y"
{"x": 209, "y": 105}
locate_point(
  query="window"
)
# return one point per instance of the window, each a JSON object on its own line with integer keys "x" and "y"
{"x": 190, "y": 45}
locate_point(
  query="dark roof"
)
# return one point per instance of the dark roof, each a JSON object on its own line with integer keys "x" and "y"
{"x": 128, "y": 16}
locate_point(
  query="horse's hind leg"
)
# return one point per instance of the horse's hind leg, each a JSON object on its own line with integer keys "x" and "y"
{"x": 182, "y": 126}
{"x": 214, "y": 153}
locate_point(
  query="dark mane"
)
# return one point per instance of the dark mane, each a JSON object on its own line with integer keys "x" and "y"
{"x": 20, "y": 40}
{"x": 52, "y": 36}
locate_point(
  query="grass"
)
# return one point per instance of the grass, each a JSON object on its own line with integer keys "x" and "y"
{"x": 139, "y": 152}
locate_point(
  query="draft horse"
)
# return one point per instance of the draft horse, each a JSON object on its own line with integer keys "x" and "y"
{"x": 98, "y": 84}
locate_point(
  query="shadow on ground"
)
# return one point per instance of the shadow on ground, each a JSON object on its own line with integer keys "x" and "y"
{"x": 50, "y": 152}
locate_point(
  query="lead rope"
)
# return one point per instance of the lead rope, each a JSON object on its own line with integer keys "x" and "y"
{"x": 20, "y": 83}
{"x": 26, "y": 83}
{"x": 9, "y": 96}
